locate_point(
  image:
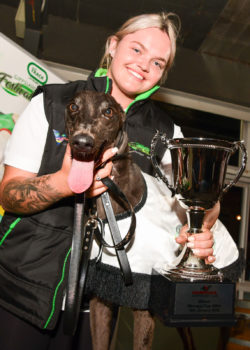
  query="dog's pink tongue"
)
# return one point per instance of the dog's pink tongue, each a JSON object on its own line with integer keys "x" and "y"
{"x": 80, "y": 176}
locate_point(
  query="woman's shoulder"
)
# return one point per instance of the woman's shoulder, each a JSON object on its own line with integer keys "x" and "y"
{"x": 58, "y": 90}
{"x": 159, "y": 119}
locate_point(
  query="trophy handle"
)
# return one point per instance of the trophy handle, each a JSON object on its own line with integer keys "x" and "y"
{"x": 241, "y": 146}
{"x": 159, "y": 137}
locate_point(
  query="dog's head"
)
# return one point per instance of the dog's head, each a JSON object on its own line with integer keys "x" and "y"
{"x": 94, "y": 121}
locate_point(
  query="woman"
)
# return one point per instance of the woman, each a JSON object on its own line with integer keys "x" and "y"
{"x": 35, "y": 193}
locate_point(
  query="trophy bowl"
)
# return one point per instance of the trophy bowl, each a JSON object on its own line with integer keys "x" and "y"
{"x": 199, "y": 168}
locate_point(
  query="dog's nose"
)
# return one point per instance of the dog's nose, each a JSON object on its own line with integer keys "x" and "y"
{"x": 83, "y": 142}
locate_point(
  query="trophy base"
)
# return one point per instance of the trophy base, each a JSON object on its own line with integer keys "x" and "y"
{"x": 182, "y": 302}
{"x": 193, "y": 274}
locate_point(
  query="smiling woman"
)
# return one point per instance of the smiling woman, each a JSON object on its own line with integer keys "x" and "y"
{"x": 35, "y": 187}
{"x": 138, "y": 62}
{"x": 167, "y": 22}
{"x": 140, "y": 54}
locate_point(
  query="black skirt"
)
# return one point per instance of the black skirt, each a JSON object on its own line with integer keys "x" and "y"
{"x": 106, "y": 282}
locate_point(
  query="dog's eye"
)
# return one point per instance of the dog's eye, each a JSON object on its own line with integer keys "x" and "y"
{"x": 73, "y": 107}
{"x": 108, "y": 112}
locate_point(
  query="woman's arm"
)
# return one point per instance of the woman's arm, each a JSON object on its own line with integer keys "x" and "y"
{"x": 23, "y": 192}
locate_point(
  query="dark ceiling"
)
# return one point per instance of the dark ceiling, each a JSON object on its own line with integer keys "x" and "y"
{"x": 215, "y": 27}
{"x": 74, "y": 31}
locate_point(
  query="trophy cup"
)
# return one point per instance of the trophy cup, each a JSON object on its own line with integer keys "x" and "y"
{"x": 198, "y": 172}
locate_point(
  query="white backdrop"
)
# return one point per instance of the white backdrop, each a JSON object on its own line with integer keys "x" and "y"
{"x": 20, "y": 74}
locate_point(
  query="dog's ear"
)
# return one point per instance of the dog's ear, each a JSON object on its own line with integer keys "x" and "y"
{"x": 122, "y": 112}
{"x": 121, "y": 141}
{"x": 123, "y": 115}
{"x": 117, "y": 107}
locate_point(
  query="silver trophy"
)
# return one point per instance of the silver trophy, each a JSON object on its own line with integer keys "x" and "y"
{"x": 198, "y": 173}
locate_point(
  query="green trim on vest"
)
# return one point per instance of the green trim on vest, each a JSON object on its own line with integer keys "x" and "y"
{"x": 102, "y": 72}
{"x": 56, "y": 290}
{"x": 136, "y": 146}
{"x": 14, "y": 223}
{"x": 143, "y": 96}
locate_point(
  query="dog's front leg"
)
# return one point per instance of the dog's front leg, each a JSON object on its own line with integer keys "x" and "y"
{"x": 101, "y": 317}
{"x": 144, "y": 326}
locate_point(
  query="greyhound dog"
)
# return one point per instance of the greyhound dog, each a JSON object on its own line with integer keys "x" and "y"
{"x": 94, "y": 123}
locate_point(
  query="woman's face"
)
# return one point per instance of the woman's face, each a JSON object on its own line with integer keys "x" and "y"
{"x": 138, "y": 63}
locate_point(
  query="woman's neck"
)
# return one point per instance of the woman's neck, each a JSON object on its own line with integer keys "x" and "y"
{"x": 121, "y": 98}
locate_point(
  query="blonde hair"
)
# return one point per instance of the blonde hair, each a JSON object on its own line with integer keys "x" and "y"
{"x": 164, "y": 21}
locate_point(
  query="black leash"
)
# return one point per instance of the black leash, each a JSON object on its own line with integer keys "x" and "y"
{"x": 72, "y": 296}
{"x": 120, "y": 243}
{"x": 80, "y": 253}
{"x": 81, "y": 248}
{"x": 116, "y": 237}
{"x": 78, "y": 269}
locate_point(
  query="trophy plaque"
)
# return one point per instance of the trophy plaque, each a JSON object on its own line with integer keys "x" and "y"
{"x": 193, "y": 292}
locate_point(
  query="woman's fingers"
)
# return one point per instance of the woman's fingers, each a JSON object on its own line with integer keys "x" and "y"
{"x": 210, "y": 259}
{"x": 103, "y": 172}
{"x": 98, "y": 187}
{"x": 183, "y": 235}
{"x": 96, "y": 191}
{"x": 109, "y": 153}
{"x": 200, "y": 243}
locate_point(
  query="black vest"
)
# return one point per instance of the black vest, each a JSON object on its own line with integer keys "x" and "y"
{"x": 35, "y": 249}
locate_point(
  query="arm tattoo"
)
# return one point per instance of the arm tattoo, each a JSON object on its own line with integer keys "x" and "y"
{"x": 29, "y": 196}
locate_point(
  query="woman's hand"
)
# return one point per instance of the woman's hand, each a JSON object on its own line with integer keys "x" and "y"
{"x": 200, "y": 243}
{"x": 97, "y": 186}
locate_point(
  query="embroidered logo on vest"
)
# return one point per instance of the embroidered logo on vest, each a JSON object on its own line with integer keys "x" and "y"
{"x": 59, "y": 137}
{"x": 137, "y": 147}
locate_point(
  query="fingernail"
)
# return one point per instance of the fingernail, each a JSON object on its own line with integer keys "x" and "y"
{"x": 211, "y": 258}
{"x": 196, "y": 251}
{"x": 190, "y": 245}
{"x": 191, "y": 238}
{"x": 115, "y": 150}
{"x": 112, "y": 177}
